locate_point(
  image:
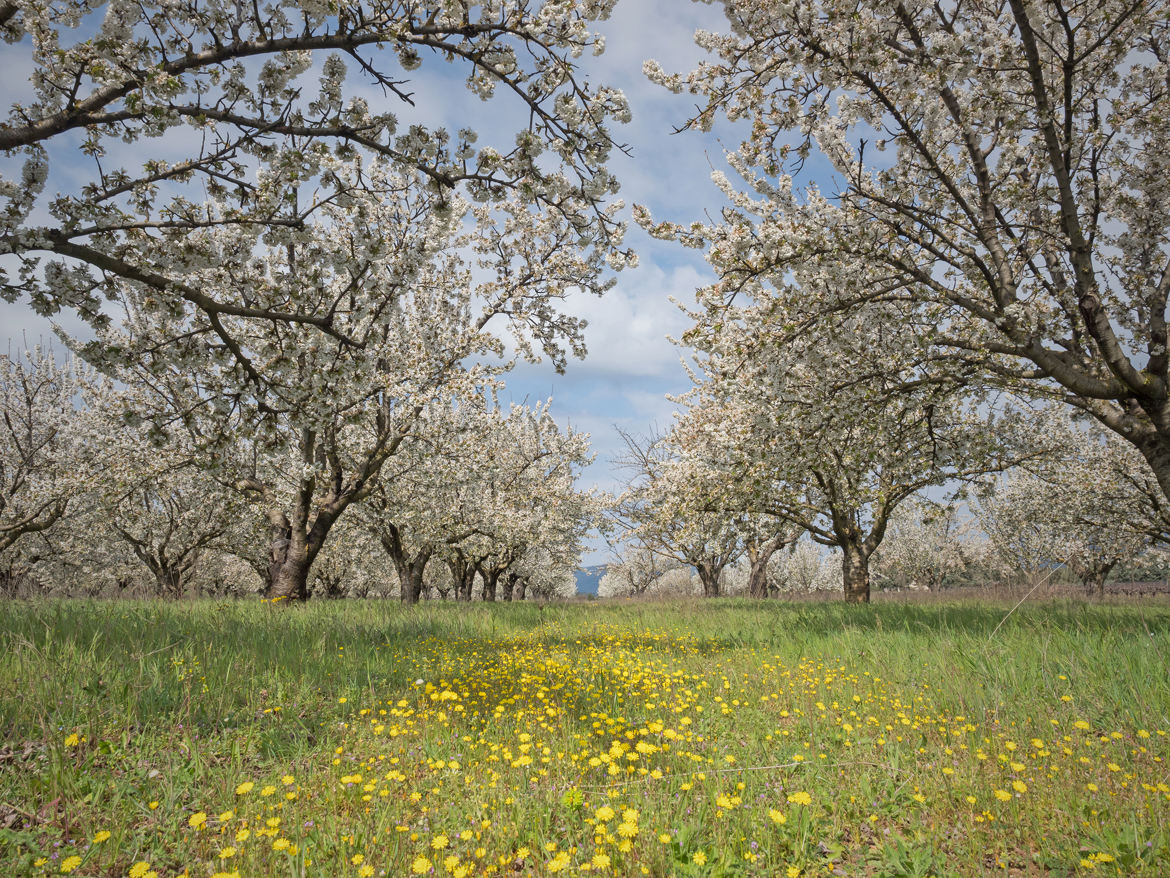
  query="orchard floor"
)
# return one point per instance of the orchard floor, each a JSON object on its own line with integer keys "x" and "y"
{"x": 722, "y": 738}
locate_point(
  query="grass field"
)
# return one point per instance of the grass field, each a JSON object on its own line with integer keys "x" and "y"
{"x": 724, "y": 738}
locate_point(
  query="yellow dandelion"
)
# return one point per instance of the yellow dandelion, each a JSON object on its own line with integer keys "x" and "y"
{"x": 420, "y": 866}
{"x": 70, "y": 863}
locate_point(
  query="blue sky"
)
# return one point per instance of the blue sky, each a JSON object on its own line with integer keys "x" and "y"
{"x": 631, "y": 366}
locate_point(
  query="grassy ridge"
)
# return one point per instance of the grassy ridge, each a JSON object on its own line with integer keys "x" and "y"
{"x": 697, "y": 738}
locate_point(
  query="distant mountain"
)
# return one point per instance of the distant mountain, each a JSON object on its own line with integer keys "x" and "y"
{"x": 588, "y": 578}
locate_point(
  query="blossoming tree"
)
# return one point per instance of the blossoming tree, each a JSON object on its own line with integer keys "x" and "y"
{"x": 45, "y": 464}
{"x": 1092, "y": 505}
{"x": 999, "y": 166}
{"x": 220, "y": 89}
{"x": 799, "y": 422}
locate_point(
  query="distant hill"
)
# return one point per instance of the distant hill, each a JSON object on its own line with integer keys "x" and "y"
{"x": 588, "y": 578}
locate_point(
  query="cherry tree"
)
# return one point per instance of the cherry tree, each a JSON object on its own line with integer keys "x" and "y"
{"x": 482, "y": 489}
{"x": 518, "y": 504}
{"x": 220, "y": 90}
{"x": 415, "y": 280}
{"x": 650, "y": 515}
{"x": 45, "y": 464}
{"x": 797, "y": 422}
{"x": 1087, "y": 507}
{"x": 998, "y": 167}
{"x": 763, "y": 536}
{"x": 633, "y": 571}
{"x": 923, "y": 545}
{"x": 805, "y": 568}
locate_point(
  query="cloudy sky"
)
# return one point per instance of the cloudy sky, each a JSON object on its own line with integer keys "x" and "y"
{"x": 631, "y": 366}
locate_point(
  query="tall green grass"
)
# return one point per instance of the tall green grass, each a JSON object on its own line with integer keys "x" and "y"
{"x": 174, "y": 703}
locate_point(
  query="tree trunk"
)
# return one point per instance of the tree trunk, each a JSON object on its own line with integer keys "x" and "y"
{"x": 521, "y": 588}
{"x": 710, "y": 579}
{"x": 490, "y": 581}
{"x": 279, "y": 536}
{"x": 292, "y": 578}
{"x": 855, "y": 573}
{"x": 410, "y": 570}
{"x": 169, "y": 581}
{"x": 463, "y": 575}
{"x": 1155, "y": 448}
{"x": 1095, "y": 577}
{"x": 758, "y": 558}
{"x": 510, "y": 580}
{"x": 758, "y": 580}
{"x": 304, "y": 544}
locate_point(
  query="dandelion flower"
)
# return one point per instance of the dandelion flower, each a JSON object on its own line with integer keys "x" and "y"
{"x": 800, "y": 798}
{"x": 70, "y": 863}
{"x": 104, "y": 835}
{"x": 420, "y": 866}
{"x": 699, "y": 858}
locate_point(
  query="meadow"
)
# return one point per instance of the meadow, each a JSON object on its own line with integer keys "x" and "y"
{"x": 358, "y": 739}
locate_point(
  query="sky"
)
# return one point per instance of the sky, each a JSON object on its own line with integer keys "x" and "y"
{"x": 631, "y": 368}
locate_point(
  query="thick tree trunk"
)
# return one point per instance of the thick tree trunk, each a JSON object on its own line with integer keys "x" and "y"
{"x": 1095, "y": 578}
{"x": 410, "y": 586}
{"x": 1155, "y": 448}
{"x": 710, "y": 579}
{"x": 305, "y": 543}
{"x": 169, "y": 581}
{"x": 410, "y": 570}
{"x": 490, "y": 581}
{"x": 292, "y": 578}
{"x": 855, "y": 573}
{"x": 463, "y": 575}
{"x": 279, "y": 536}
{"x": 521, "y": 588}
{"x": 758, "y": 557}
{"x": 758, "y": 581}
{"x": 510, "y": 580}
